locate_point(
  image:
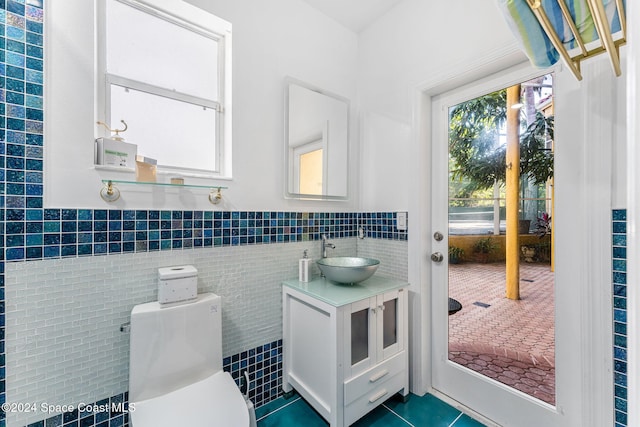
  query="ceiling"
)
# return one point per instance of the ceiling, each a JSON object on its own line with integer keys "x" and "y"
{"x": 353, "y": 14}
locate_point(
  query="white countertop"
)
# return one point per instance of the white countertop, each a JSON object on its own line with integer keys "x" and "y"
{"x": 339, "y": 294}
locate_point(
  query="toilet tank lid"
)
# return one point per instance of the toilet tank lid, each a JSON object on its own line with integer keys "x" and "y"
{"x": 177, "y": 272}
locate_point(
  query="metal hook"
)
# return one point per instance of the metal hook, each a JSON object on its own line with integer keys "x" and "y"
{"x": 117, "y": 136}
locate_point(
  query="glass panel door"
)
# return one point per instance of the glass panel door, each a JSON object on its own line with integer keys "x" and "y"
{"x": 487, "y": 345}
{"x": 390, "y": 323}
{"x": 501, "y": 280}
{"x": 359, "y": 336}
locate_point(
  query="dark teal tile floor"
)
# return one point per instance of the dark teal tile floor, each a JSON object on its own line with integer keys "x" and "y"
{"x": 425, "y": 411}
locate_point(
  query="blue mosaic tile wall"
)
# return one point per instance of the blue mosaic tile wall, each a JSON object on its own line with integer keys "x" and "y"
{"x": 29, "y": 232}
{"x": 619, "y": 254}
{"x": 264, "y": 366}
{"x": 21, "y": 125}
{"x": 36, "y": 233}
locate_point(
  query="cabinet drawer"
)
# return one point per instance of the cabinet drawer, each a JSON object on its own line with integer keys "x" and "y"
{"x": 371, "y": 378}
{"x": 374, "y": 397}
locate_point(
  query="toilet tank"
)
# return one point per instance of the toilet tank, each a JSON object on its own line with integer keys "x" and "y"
{"x": 172, "y": 347}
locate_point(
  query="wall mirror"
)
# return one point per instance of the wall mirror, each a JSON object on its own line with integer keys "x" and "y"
{"x": 316, "y": 143}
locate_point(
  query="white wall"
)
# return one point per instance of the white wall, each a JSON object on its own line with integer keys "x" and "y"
{"x": 411, "y": 44}
{"x": 271, "y": 40}
{"x": 619, "y": 178}
{"x": 385, "y": 183}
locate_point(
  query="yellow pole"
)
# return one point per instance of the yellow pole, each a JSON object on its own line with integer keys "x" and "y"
{"x": 512, "y": 184}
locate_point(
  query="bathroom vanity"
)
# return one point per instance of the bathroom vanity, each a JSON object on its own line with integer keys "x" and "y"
{"x": 345, "y": 346}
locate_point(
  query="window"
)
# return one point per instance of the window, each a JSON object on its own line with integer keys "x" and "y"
{"x": 165, "y": 71}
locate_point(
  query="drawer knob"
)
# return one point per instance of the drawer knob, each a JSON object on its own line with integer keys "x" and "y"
{"x": 382, "y": 393}
{"x": 377, "y": 376}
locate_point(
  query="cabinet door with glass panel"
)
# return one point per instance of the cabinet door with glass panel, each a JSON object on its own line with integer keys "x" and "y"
{"x": 373, "y": 331}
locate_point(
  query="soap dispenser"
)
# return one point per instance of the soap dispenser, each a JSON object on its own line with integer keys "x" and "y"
{"x": 303, "y": 268}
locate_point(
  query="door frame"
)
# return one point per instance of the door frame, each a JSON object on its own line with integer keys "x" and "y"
{"x": 593, "y": 352}
{"x": 633, "y": 213}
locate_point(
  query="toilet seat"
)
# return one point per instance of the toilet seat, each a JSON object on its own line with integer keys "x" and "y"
{"x": 214, "y": 401}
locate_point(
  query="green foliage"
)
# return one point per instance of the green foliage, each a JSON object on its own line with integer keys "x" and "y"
{"x": 536, "y": 161}
{"x": 479, "y": 160}
{"x": 455, "y": 252}
{"x": 473, "y": 132}
{"x": 485, "y": 245}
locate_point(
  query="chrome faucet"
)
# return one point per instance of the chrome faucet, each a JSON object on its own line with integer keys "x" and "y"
{"x": 326, "y": 244}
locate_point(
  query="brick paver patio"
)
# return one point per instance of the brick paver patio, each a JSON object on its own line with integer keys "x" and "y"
{"x": 509, "y": 341}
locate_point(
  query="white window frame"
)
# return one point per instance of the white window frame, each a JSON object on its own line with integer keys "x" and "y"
{"x": 194, "y": 19}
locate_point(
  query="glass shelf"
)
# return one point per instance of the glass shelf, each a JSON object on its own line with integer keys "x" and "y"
{"x": 163, "y": 184}
{"x": 111, "y": 193}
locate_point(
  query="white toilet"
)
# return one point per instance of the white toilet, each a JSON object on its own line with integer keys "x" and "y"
{"x": 175, "y": 368}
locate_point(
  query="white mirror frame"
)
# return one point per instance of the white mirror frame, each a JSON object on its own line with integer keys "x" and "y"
{"x": 291, "y": 190}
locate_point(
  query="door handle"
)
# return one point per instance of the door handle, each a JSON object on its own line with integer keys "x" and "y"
{"x": 382, "y": 393}
{"x": 437, "y": 257}
{"x": 379, "y": 375}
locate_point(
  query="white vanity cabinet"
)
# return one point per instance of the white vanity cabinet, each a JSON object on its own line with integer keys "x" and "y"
{"x": 345, "y": 346}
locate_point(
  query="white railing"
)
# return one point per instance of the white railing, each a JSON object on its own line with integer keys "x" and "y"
{"x": 475, "y": 224}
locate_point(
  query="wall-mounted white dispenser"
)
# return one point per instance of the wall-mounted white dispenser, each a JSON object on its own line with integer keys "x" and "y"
{"x": 177, "y": 284}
